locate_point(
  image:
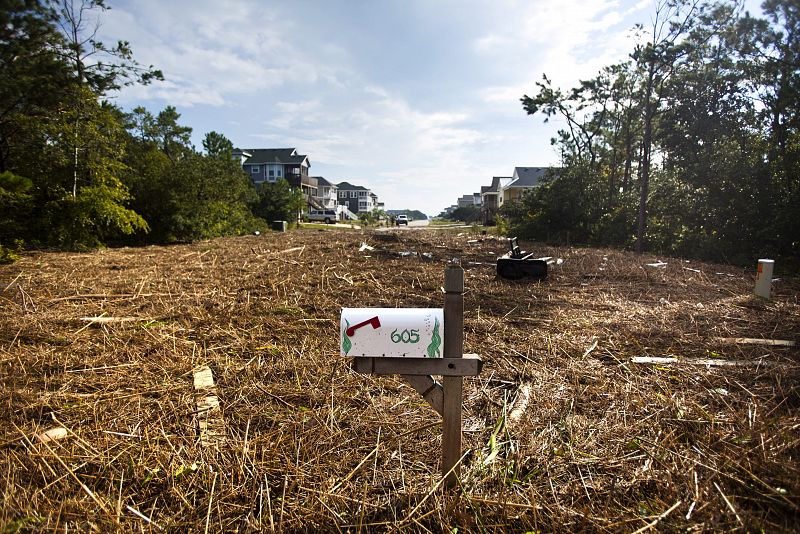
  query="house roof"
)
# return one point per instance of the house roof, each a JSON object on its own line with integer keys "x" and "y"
{"x": 528, "y": 176}
{"x": 350, "y": 187}
{"x": 496, "y": 182}
{"x": 260, "y": 156}
{"x": 323, "y": 182}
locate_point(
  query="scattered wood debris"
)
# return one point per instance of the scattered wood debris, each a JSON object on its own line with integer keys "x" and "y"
{"x": 708, "y": 362}
{"x": 211, "y": 426}
{"x": 520, "y": 406}
{"x": 757, "y": 341}
{"x": 53, "y": 434}
{"x": 107, "y": 320}
{"x": 568, "y": 424}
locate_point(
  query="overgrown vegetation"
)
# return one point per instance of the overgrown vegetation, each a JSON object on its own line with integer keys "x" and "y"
{"x": 691, "y": 147}
{"x": 77, "y": 171}
{"x": 468, "y": 214}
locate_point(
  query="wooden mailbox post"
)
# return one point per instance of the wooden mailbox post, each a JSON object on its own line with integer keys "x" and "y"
{"x": 445, "y": 398}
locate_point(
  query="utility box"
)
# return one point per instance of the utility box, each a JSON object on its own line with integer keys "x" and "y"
{"x": 279, "y": 226}
{"x": 392, "y": 332}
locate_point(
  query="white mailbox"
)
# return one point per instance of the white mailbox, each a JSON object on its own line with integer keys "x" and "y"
{"x": 392, "y": 332}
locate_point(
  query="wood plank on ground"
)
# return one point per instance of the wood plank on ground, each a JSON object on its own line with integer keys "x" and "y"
{"x": 660, "y": 360}
{"x": 210, "y": 424}
{"x": 757, "y": 341}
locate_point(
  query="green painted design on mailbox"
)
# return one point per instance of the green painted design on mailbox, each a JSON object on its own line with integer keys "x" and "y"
{"x": 436, "y": 342}
{"x": 346, "y": 343}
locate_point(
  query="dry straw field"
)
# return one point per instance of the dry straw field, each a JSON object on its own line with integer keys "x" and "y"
{"x": 108, "y": 421}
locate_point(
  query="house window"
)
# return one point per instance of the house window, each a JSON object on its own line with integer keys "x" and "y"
{"x": 353, "y": 194}
{"x": 342, "y": 194}
{"x": 254, "y": 169}
{"x": 362, "y": 193}
{"x": 274, "y": 171}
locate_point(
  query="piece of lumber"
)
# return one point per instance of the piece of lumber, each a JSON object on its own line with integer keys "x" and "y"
{"x": 102, "y": 319}
{"x": 697, "y": 361}
{"x": 288, "y": 250}
{"x": 89, "y": 296}
{"x": 53, "y": 434}
{"x": 469, "y": 365}
{"x": 453, "y": 385}
{"x": 210, "y": 425}
{"x": 520, "y": 405}
{"x": 430, "y": 389}
{"x": 757, "y": 341}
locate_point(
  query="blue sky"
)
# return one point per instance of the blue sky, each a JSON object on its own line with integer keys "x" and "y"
{"x": 417, "y": 100}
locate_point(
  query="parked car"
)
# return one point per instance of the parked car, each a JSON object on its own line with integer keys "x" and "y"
{"x": 402, "y": 219}
{"x": 326, "y": 216}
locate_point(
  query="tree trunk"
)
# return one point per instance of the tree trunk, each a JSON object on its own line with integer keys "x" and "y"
{"x": 612, "y": 180}
{"x": 647, "y": 142}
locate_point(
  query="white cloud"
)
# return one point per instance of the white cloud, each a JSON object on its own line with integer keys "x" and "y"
{"x": 213, "y": 52}
{"x": 406, "y": 155}
{"x": 567, "y": 40}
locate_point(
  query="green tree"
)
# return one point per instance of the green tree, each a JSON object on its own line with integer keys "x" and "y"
{"x": 770, "y": 54}
{"x": 278, "y": 202}
{"x": 84, "y": 205}
{"x": 217, "y": 145}
{"x": 93, "y": 64}
{"x": 162, "y": 131}
{"x": 672, "y": 21}
{"x": 32, "y": 75}
{"x": 674, "y": 143}
{"x": 711, "y": 155}
{"x": 100, "y": 67}
{"x": 16, "y": 207}
{"x": 184, "y": 195}
{"x": 468, "y": 214}
{"x": 210, "y": 197}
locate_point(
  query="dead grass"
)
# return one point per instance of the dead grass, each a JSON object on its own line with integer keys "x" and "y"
{"x": 595, "y": 442}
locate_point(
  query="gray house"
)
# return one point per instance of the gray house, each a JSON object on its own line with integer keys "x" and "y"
{"x": 271, "y": 164}
{"x": 358, "y": 199}
{"x": 327, "y": 193}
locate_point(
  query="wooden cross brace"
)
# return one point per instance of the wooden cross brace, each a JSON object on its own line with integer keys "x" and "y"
{"x": 445, "y": 397}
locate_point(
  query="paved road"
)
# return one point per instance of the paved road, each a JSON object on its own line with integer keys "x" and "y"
{"x": 422, "y": 223}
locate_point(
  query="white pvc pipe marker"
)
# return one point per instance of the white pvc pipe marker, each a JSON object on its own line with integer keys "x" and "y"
{"x": 764, "y": 277}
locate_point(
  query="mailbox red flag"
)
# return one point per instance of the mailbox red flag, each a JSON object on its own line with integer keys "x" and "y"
{"x": 375, "y": 322}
